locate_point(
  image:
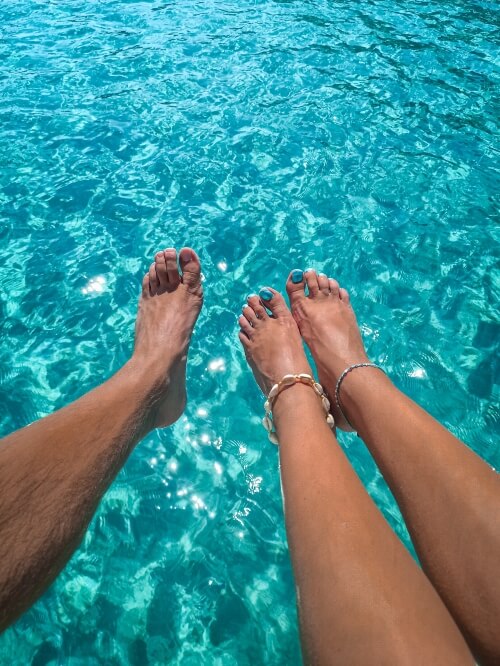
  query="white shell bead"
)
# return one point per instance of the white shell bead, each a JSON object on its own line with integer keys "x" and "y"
{"x": 288, "y": 380}
{"x": 305, "y": 376}
{"x": 267, "y": 423}
{"x": 273, "y": 438}
{"x": 326, "y": 403}
{"x": 267, "y": 406}
{"x": 330, "y": 420}
{"x": 318, "y": 388}
{"x": 273, "y": 392}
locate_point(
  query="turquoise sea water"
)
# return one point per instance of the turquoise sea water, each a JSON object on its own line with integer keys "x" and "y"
{"x": 358, "y": 138}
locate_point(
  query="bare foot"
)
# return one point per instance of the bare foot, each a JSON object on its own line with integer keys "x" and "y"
{"x": 272, "y": 343}
{"x": 328, "y": 325}
{"x": 168, "y": 309}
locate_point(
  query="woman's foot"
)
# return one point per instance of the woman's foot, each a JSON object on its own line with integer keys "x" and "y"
{"x": 328, "y": 325}
{"x": 272, "y": 343}
{"x": 168, "y": 309}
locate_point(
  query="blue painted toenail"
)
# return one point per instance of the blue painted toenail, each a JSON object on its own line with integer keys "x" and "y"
{"x": 265, "y": 294}
{"x": 297, "y": 276}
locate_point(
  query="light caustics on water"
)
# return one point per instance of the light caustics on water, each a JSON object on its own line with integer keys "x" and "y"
{"x": 357, "y": 138}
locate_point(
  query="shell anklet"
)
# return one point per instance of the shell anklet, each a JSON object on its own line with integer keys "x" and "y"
{"x": 290, "y": 380}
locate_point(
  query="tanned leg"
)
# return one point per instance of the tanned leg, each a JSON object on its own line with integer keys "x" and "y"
{"x": 361, "y": 598}
{"x": 54, "y": 472}
{"x": 449, "y": 497}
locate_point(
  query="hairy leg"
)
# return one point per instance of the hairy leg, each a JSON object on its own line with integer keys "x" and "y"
{"x": 449, "y": 497}
{"x": 54, "y": 472}
{"x": 361, "y": 598}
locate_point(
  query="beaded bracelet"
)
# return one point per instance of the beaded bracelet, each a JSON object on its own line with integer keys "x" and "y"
{"x": 341, "y": 379}
{"x": 290, "y": 380}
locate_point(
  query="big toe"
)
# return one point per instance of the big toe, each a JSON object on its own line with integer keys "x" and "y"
{"x": 274, "y": 302}
{"x": 295, "y": 286}
{"x": 191, "y": 269}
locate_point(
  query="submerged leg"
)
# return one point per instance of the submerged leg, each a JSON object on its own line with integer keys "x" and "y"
{"x": 361, "y": 598}
{"x": 54, "y": 472}
{"x": 449, "y": 497}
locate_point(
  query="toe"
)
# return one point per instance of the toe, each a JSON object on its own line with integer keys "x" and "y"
{"x": 244, "y": 339}
{"x": 324, "y": 287}
{"x": 274, "y": 302}
{"x": 257, "y": 307}
{"x": 145, "y": 286}
{"x": 295, "y": 286}
{"x": 153, "y": 280}
{"x": 191, "y": 269}
{"x": 250, "y": 315}
{"x": 161, "y": 272}
{"x": 312, "y": 282}
{"x": 334, "y": 287}
{"x": 344, "y": 295}
{"x": 245, "y": 326}
{"x": 171, "y": 263}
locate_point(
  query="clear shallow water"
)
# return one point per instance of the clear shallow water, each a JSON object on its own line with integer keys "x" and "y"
{"x": 269, "y": 135}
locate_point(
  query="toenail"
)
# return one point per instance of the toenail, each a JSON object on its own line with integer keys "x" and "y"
{"x": 297, "y": 276}
{"x": 309, "y": 270}
{"x": 322, "y": 275}
{"x": 266, "y": 294}
{"x": 251, "y": 296}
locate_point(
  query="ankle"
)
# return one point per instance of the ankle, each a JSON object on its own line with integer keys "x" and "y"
{"x": 148, "y": 374}
{"x": 154, "y": 365}
{"x": 335, "y": 366}
{"x": 296, "y": 406}
{"x": 359, "y": 388}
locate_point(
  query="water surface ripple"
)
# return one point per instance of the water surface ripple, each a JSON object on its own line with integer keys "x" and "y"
{"x": 358, "y": 138}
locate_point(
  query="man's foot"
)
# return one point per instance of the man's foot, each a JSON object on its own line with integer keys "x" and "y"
{"x": 328, "y": 325}
{"x": 168, "y": 309}
{"x": 272, "y": 343}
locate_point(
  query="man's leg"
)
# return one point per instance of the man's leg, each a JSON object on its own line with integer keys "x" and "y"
{"x": 54, "y": 472}
{"x": 449, "y": 497}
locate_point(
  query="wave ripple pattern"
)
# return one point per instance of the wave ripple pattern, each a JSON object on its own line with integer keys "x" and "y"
{"x": 357, "y": 138}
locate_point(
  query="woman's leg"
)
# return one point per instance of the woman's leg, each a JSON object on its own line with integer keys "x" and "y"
{"x": 449, "y": 497}
{"x": 54, "y": 472}
{"x": 361, "y": 598}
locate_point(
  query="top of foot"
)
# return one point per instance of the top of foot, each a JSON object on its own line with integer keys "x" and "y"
{"x": 272, "y": 342}
{"x": 169, "y": 306}
{"x": 328, "y": 325}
